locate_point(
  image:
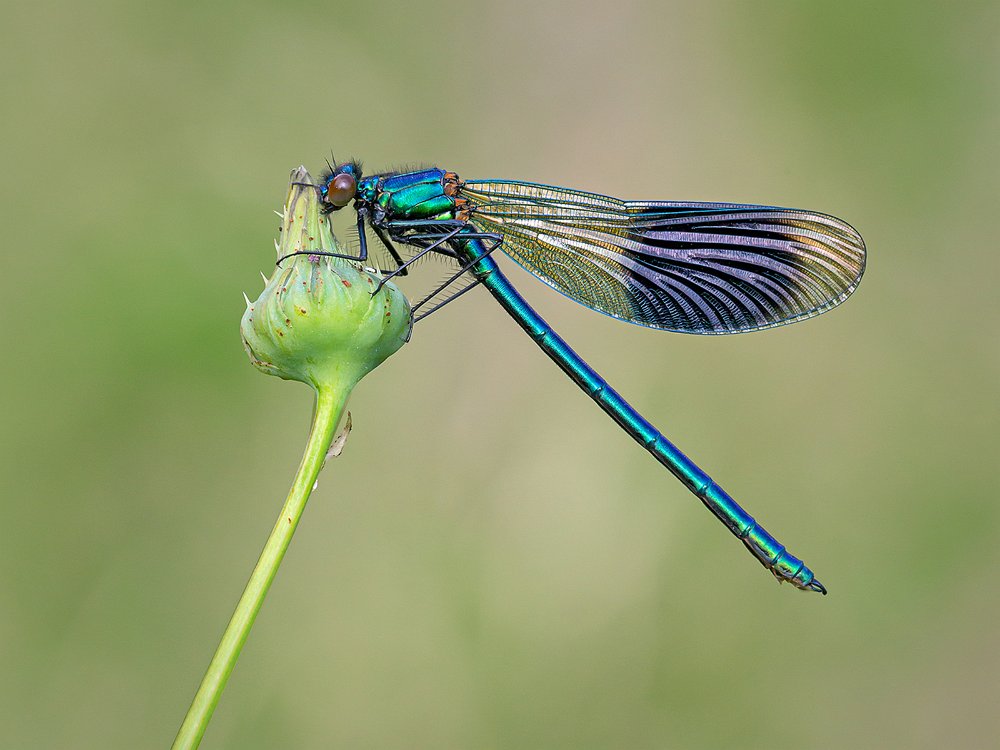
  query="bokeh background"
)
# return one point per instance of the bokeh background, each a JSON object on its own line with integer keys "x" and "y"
{"x": 491, "y": 563}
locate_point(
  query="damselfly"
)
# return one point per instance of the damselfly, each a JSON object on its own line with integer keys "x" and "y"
{"x": 708, "y": 268}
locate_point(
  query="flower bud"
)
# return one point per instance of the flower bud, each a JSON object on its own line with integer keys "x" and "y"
{"x": 319, "y": 319}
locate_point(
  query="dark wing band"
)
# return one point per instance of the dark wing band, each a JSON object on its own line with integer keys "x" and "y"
{"x": 705, "y": 268}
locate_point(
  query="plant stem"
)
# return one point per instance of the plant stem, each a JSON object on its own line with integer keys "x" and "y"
{"x": 329, "y": 407}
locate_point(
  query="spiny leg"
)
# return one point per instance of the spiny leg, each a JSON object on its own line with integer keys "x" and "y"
{"x": 439, "y": 305}
{"x": 497, "y": 241}
{"x": 438, "y": 242}
{"x": 401, "y": 266}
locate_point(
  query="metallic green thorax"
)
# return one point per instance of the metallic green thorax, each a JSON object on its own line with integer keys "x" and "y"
{"x": 410, "y": 196}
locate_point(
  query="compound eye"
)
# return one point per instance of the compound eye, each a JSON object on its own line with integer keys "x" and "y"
{"x": 341, "y": 190}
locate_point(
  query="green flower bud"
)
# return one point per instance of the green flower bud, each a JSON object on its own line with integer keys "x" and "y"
{"x": 319, "y": 319}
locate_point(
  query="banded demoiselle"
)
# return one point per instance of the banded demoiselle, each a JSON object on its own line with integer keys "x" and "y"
{"x": 707, "y": 268}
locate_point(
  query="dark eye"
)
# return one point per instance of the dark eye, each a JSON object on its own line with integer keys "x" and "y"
{"x": 341, "y": 190}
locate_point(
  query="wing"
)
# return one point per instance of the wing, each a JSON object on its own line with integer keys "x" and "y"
{"x": 687, "y": 267}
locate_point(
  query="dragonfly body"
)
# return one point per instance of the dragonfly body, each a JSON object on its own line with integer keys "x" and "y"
{"x": 688, "y": 267}
{"x": 764, "y": 547}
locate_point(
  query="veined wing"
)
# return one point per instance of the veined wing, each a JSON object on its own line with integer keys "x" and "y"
{"x": 688, "y": 267}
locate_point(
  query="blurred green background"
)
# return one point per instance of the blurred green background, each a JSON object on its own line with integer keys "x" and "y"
{"x": 497, "y": 566}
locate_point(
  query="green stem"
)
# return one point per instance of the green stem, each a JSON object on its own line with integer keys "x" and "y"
{"x": 329, "y": 407}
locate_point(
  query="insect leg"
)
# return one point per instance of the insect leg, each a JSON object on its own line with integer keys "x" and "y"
{"x": 441, "y": 304}
{"x": 496, "y": 242}
{"x": 400, "y": 265}
{"x": 430, "y": 248}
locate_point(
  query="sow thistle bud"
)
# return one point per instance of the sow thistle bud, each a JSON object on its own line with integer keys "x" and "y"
{"x": 319, "y": 319}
